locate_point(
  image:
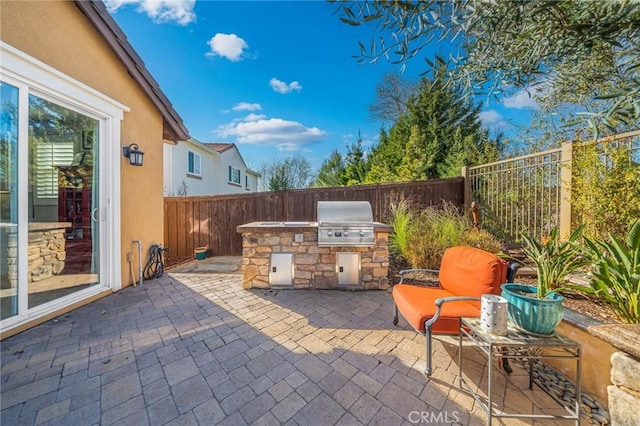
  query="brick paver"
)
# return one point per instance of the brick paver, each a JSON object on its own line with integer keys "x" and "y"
{"x": 195, "y": 348}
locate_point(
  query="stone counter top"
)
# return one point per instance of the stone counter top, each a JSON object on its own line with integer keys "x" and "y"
{"x": 43, "y": 226}
{"x": 275, "y": 226}
{"x": 625, "y": 337}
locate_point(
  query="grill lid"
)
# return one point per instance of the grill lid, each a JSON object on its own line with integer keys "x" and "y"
{"x": 332, "y": 213}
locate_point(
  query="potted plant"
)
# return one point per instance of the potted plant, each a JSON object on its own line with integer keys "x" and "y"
{"x": 616, "y": 273}
{"x": 538, "y": 310}
{"x": 200, "y": 253}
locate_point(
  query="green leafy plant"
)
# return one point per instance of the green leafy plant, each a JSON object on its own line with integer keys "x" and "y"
{"x": 605, "y": 188}
{"x": 555, "y": 259}
{"x": 428, "y": 233}
{"x": 616, "y": 273}
{"x": 401, "y": 218}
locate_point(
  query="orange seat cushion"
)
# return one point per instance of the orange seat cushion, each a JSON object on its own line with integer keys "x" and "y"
{"x": 417, "y": 305}
{"x": 468, "y": 271}
{"x": 464, "y": 271}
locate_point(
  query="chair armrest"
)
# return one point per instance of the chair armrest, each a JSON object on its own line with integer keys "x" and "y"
{"x": 408, "y": 271}
{"x": 511, "y": 272}
{"x": 441, "y": 301}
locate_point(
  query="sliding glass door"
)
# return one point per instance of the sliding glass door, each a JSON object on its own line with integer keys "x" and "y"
{"x": 8, "y": 201}
{"x": 50, "y": 217}
{"x": 63, "y": 201}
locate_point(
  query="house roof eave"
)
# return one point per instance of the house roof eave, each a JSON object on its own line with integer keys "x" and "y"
{"x": 173, "y": 127}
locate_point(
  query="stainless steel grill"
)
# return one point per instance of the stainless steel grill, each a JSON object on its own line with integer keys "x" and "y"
{"x": 345, "y": 223}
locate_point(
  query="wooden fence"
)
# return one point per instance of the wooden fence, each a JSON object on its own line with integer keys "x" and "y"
{"x": 211, "y": 221}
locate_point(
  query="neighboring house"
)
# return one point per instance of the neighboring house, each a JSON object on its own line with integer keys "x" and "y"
{"x": 190, "y": 168}
{"x": 195, "y": 168}
{"x": 234, "y": 175}
{"x": 72, "y": 208}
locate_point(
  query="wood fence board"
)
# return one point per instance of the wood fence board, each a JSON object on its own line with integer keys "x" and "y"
{"x": 211, "y": 221}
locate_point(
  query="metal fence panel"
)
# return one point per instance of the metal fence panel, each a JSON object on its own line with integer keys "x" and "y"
{"x": 527, "y": 194}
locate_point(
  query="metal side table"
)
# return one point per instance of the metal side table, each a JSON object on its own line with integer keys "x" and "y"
{"x": 524, "y": 346}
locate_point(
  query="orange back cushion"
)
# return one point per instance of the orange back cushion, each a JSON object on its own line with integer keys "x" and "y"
{"x": 468, "y": 271}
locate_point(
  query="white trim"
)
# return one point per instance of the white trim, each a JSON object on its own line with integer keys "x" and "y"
{"x": 23, "y": 195}
{"x": 231, "y": 169}
{"x": 199, "y": 168}
{"x": 32, "y": 76}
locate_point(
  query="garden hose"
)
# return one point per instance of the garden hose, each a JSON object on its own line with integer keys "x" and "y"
{"x": 155, "y": 265}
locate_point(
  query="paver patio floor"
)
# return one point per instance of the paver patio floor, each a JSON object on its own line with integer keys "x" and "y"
{"x": 195, "y": 348}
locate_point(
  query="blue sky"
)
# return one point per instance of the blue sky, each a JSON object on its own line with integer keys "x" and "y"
{"x": 277, "y": 78}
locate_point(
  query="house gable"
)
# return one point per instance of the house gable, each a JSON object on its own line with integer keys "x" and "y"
{"x": 237, "y": 173}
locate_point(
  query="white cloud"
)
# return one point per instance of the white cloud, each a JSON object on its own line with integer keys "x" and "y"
{"x": 366, "y": 140}
{"x": 284, "y": 134}
{"x": 246, "y": 106}
{"x": 254, "y": 117}
{"x": 521, "y": 99}
{"x": 284, "y": 88}
{"x": 179, "y": 11}
{"x": 228, "y": 46}
{"x": 492, "y": 119}
{"x": 527, "y": 97}
{"x": 291, "y": 147}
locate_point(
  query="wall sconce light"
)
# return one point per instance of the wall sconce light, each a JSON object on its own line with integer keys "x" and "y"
{"x": 133, "y": 153}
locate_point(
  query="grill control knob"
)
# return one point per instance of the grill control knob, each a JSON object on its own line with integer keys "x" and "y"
{"x": 345, "y": 233}
{"x": 329, "y": 234}
{"x": 362, "y": 233}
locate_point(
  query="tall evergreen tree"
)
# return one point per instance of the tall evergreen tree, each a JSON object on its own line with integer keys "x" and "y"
{"x": 439, "y": 133}
{"x": 356, "y": 163}
{"x": 414, "y": 161}
{"x": 331, "y": 172}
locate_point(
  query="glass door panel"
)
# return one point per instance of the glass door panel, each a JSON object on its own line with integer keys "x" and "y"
{"x": 63, "y": 201}
{"x": 8, "y": 201}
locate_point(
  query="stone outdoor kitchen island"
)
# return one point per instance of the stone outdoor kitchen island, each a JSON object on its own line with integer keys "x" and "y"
{"x": 287, "y": 255}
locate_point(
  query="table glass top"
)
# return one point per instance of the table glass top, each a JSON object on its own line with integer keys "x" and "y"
{"x": 516, "y": 337}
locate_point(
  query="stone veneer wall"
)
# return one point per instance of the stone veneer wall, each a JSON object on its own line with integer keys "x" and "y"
{"x": 314, "y": 266}
{"x": 46, "y": 252}
{"x": 624, "y": 393}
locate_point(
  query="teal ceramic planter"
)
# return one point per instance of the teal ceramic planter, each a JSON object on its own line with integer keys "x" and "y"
{"x": 533, "y": 315}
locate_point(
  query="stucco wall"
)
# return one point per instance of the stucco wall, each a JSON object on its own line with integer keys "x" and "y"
{"x": 596, "y": 361}
{"x": 58, "y": 34}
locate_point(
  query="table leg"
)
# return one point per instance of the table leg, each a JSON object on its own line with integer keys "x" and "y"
{"x": 531, "y": 362}
{"x": 460, "y": 357}
{"x": 578, "y": 385}
{"x": 489, "y": 382}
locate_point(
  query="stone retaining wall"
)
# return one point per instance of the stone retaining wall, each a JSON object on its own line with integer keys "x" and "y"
{"x": 314, "y": 266}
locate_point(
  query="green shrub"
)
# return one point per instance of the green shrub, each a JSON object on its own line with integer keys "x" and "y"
{"x": 422, "y": 237}
{"x": 605, "y": 194}
{"x": 401, "y": 218}
{"x": 616, "y": 273}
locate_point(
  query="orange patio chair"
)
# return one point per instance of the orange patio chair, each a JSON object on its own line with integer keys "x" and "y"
{"x": 465, "y": 274}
